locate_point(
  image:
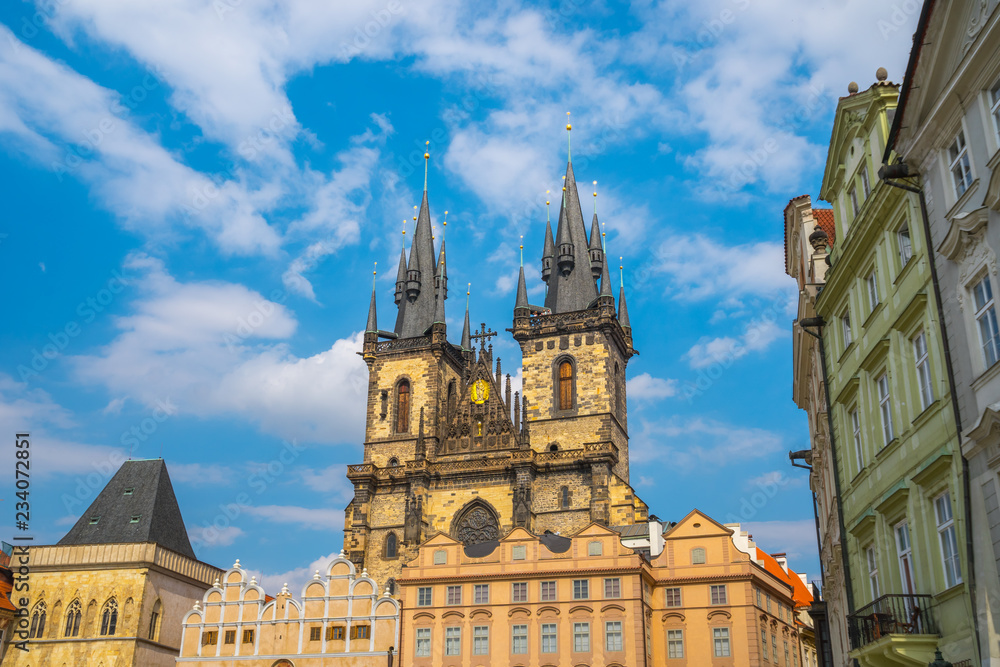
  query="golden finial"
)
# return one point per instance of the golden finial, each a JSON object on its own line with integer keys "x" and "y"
{"x": 374, "y": 273}
{"x": 404, "y": 229}
{"x": 415, "y": 212}
{"x": 621, "y": 268}
{"x": 547, "y": 218}
{"x": 604, "y": 236}
{"x": 595, "y": 197}
{"x": 522, "y": 249}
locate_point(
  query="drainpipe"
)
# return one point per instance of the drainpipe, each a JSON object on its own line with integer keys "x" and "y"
{"x": 819, "y": 323}
{"x": 901, "y": 170}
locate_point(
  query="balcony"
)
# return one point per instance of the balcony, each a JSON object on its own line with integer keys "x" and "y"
{"x": 900, "y": 625}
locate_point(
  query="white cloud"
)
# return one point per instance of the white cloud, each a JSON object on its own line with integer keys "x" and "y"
{"x": 331, "y": 480}
{"x": 645, "y": 387}
{"x": 757, "y": 337}
{"x": 694, "y": 442}
{"x": 773, "y": 481}
{"x": 212, "y": 536}
{"x": 698, "y": 268}
{"x": 212, "y": 349}
{"x": 304, "y": 517}
{"x": 200, "y": 473}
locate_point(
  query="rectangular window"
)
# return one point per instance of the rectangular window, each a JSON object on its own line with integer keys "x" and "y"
{"x": 995, "y": 107}
{"x": 230, "y": 636}
{"x": 519, "y": 639}
{"x": 613, "y": 635}
{"x": 923, "y": 365}
{"x": 905, "y": 245}
{"x": 548, "y": 591}
{"x": 549, "y": 638}
{"x": 720, "y": 637}
{"x": 759, "y": 599}
{"x": 315, "y": 633}
{"x": 675, "y": 643}
{"x": 454, "y": 595}
{"x": 866, "y": 185}
{"x": 612, "y": 588}
{"x": 453, "y": 641}
{"x": 209, "y": 637}
{"x": 481, "y": 640}
{"x": 581, "y": 637}
{"x": 674, "y": 597}
{"x": 423, "y": 643}
{"x": 440, "y": 557}
{"x": 519, "y": 592}
{"x": 958, "y": 163}
{"x": 768, "y": 599}
{"x": 763, "y": 643}
{"x": 581, "y": 589}
{"x": 949, "y": 542}
{"x": 361, "y": 632}
{"x": 774, "y": 647}
{"x": 719, "y": 594}
{"x": 856, "y": 428}
{"x": 248, "y": 636}
{"x": 845, "y": 326}
{"x": 986, "y": 317}
{"x": 481, "y": 593}
{"x": 339, "y": 632}
{"x": 905, "y": 554}
{"x": 885, "y": 407}
{"x": 786, "y": 653}
{"x": 872, "y": 291}
{"x": 876, "y": 588}
{"x": 518, "y": 552}
{"x": 853, "y": 196}
{"x": 424, "y": 596}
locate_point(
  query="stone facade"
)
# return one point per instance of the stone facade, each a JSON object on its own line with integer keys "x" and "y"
{"x": 950, "y": 143}
{"x": 448, "y": 447}
{"x": 340, "y": 621}
{"x": 149, "y": 589}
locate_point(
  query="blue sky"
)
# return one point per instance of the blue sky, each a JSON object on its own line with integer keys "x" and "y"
{"x": 196, "y": 192}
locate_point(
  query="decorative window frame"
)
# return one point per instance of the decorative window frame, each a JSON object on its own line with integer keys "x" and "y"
{"x": 395, "y": 406}
{"x": 556, "y": 364}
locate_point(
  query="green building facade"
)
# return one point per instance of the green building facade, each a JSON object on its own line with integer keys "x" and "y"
{"x": 895, "y": 440}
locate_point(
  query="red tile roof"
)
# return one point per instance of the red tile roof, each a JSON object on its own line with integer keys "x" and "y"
{"x": 800, "y": 593}
{"x": 824, "y": 218}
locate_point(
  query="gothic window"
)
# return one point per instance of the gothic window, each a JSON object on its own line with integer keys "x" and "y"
{"x": 393, "y": 462}
{"x": 553, "y": 448}
{"x": 391, "y": 546}
{"x": 566, "y": 385}
{"x": 109, "y": 618}
{"x": 73, "y": 615}
{"x": 154, "y": 619}
{"x": 37, "y": 622}
{"x": 403, "y": 407}
{"x": 564, "y": 497}
{"x": 384, "y": 404}
{"x": 478, "y": 524}
{"x": 452, "y": 399}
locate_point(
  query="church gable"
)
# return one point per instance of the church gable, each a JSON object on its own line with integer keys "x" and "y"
{"x": 478, "y": 419}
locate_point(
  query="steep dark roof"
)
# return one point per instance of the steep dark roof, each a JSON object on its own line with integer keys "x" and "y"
{"x": 151, "y": 500}
{"x": 416, "y": 316}
{"x": 577, "y": 290}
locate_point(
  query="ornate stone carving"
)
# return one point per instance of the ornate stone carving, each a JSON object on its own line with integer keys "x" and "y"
{"x": 411, "y": 524}
{"x": 477, "y": 525}
{"x": 522, "y": 505}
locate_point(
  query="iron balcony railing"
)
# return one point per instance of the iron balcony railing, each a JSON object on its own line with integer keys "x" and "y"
{"x": 892, "y": 615}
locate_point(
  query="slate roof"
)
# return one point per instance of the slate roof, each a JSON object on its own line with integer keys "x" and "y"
{"x": 577, "y": 290}
{"x": 140, "y": 490}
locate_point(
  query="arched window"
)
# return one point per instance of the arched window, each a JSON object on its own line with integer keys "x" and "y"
{"x": 452, "y": 399}
{"x": 403, "y": 407}
{"x": 74, "y": 613}
{"x": 109, "y": 618}
{"x": 553, "y": 448}
{"x": 564, "y": 497}
{"x": 154, "y": 620}
{"x": 393, "y": 462}
{"x": 566, "y": 385}
{"x": 37, "y": 629}
{"x": 390, "y": 545}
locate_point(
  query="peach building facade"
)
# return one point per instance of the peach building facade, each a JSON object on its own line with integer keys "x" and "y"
{"x": 340, "y": 621}
{"x": 586, "y": 599}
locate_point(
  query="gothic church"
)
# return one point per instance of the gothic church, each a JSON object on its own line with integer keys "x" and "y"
{"x": 449, "y": 449}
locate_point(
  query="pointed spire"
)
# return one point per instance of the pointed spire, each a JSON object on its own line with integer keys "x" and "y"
{"x": 401, "y": 277}
{"x": 549, "y": 251}
{"x": 605, "y": 281}
{"x": 573, "y": 287}
{"x": 467, "y": 330}
{"x": 372, "y": 316}
{"x": 439, "y": 296}
{"x": 522, "y": 292}
{"x": 423, "y": 274}
{"x": 622, "y": 308}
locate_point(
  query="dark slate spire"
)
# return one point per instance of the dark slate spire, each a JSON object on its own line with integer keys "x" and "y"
{"x": 522, "y": 292}
{"x": 596, "y": 248}
{"x": 623, "y": 310}
{"x": 440, "y": 295}
{"x": 605, "y": 281}
{"x": 549, "y": 252}
{"x": 442, "y": 274}
{"x": 372, "y": 316}
{"x": 467, "y": 330}
{"x": 418, "y": 313}
{"x": 137, "y": 505}
{"x": 401, "y": 277}
{"x": 571, "y": 286}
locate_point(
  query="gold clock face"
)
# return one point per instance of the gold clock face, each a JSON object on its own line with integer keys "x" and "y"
{"x": 480, "y": 391}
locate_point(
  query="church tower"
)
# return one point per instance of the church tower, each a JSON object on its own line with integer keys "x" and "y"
{"x": 449, "y": 449}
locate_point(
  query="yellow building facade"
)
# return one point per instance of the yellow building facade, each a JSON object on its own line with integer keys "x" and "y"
{"x": 340, "y": 621}
{"x": 586, "y": 599}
